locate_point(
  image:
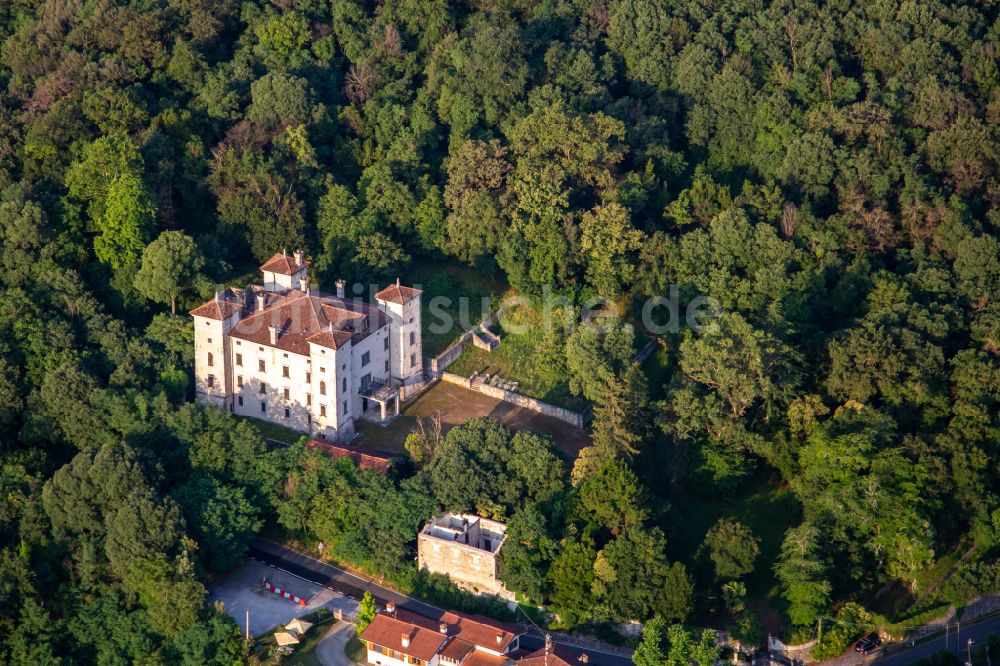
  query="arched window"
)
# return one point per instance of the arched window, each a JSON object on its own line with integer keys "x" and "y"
{"x": 322, "y": 388}
{"x": 211, "y": 360}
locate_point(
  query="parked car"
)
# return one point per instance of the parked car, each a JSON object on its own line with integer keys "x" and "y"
{"x": 869, "y": 643}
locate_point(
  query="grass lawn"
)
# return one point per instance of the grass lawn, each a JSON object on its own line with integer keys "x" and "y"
{"x": 763, "y": 505}
{"x": 305, "y": 652}
{"x": 520, "y": 358}
{"x": 355, "y": 650}
{"x": 457, "y": 294}
{"x": 273, "y": 430}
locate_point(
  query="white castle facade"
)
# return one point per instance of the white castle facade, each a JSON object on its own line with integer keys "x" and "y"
{"x": 313, "y": 362}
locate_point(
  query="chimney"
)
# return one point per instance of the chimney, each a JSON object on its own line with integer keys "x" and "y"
{"x": 340, "y": 288}
{"x": 584, "y": 658}
{"x": 406, "y": 640}
{"x": 397, "y": 281}
{"x": 443, "y": 628}
{"x": 274, "y": 334}
{"x": 303, "y": 286}
{"x": 297, "y": 255}
{"x": 390, "y": 607}
{"x": 260, "y": 302}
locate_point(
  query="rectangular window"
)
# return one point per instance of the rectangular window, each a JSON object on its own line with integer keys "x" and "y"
{"x": 322, "y": 410}
{"x": 309, "y": 399}
{"x": 385, "y": 342}
{"x": 413, "y": 337}
{"x": 239, "y": 360}
{"x": 263, "y": 387}
{"x": 309, "y": 378}
{"x": 239, "y": 381}
{"x": 288, "y": 412}
{"x": 211, "y": 381}
{"x": 366, "y": 380}
{"x": 366, "y": 358}
{"x": 345, "y": 406}
{"x": 387, "y": 365}
{"x": 343, "y": 384}
{"x": 413, "y": 360}
{"x": 239, "y": 400}
{"x": 211, "y": 359}
{"x": 261, "y": 366}
{"x": 287, "y": 395}
{"x": 284, "y": 371}
{"x": 263, "y": 407}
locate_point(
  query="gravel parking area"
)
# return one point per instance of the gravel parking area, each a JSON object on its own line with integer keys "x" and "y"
{"x": 240, "y": 589}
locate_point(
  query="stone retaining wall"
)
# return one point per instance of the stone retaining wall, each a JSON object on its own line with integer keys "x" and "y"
{"x": 535, "y": 405}
{"x": 437, "y": 364}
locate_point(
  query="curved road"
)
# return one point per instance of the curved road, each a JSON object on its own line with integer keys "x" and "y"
{"x": 321, "y": 573}
{"x": 956, "y": 642}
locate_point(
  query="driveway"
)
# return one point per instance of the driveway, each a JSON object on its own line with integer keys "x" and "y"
{"x": 330, "y": 650}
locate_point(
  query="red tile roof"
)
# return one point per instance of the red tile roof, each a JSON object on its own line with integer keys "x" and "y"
{"x": 476, "y": 629}
{"x": 309, "y": 318}
{"x": 376, "y": 460}
{"x": 397, "y": 293}
{"x": 560, "y": 655}
{"x": 223, "y": 306}
{"x": 457, "y": 649}
{"x": 388, "y": 632}
{"x": 480, "y": 658}
{"x": 284, "y": 264}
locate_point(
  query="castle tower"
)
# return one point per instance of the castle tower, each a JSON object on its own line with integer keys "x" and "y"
{"x": 213, "y": 322}
{"x": 402, "y": 304}
{"x": 283, "y": 272}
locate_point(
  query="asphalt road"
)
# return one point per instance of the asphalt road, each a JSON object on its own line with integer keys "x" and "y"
{"x": 346, "y": 583}
{"x": 956, "y": 642}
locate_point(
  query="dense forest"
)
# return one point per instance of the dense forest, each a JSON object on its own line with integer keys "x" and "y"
{"x": 828, "y": 173}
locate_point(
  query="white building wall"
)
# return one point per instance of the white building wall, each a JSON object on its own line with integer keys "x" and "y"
{"x": 278, "y": 282}
{"x": 379, "y": 659}
{"x": 407, "y": 357}
{"x": 210, "y": 344}
{"x": 374, "y": 345}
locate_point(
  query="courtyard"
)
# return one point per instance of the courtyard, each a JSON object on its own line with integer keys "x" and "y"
{"x": 457, "y": 404}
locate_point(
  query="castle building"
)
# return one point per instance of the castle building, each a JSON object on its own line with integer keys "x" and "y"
{"x": 465, "y": 548}
{"x": 311, "y": 361}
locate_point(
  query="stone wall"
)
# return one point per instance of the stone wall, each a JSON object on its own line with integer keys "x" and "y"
{"x": 468, "y": 567}
{"x": 573, "y": 418}
{"x": 437, "y": 364}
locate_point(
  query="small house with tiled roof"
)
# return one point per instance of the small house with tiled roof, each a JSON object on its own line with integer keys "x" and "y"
{"x": 397, "y": 637}
{"x": 555, "y": 654}
{"x": 308, "y": 360}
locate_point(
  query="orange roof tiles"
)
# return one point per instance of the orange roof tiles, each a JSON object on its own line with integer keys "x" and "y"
{"x": 475, "y": 629}
{"x": 397, "y": 293}
{"x": 284, "y": 264}
{"x": 225, "y": 304}
{"x": 303, "y": 318}
{"x": 560, "y": 655}
{"x": 388, "y": 632}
